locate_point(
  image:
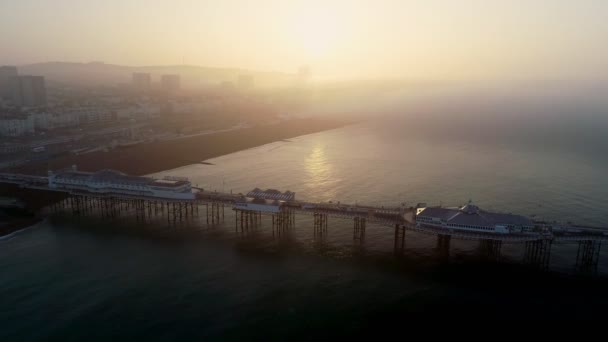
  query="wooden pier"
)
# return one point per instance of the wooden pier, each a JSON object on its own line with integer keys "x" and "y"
{"x": 282, "y": 217}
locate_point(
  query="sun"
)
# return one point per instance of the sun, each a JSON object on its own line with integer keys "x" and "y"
{"x": 317, "y": 33}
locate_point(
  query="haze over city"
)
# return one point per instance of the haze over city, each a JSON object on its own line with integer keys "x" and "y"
{"x": 439, "y": 40}
{"x": 235, "y": 170}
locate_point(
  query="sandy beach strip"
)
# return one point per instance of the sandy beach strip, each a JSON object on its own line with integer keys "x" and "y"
{"x": 154, "y": 157}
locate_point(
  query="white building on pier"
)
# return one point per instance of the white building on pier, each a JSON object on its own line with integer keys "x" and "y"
{"x": 269, "y": 201}
{"x": 114, "y": 182}
{"x": 272, "y": 194}
{"x": 472, "y": 218}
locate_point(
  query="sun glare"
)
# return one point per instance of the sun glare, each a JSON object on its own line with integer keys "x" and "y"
{"x": 317, "y": 33}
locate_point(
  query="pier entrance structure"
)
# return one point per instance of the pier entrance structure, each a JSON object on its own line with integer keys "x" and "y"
{"x": 115, "y": 182}
{"x": 250, "y": 209}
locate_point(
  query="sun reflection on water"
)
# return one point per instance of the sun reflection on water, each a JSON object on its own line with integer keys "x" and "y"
{"x": 320, "y": 172}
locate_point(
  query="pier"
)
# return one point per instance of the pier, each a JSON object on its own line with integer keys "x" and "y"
{"x": 111, "y": 194}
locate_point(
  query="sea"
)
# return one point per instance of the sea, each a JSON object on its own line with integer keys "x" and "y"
{"x": 76, "y": 278}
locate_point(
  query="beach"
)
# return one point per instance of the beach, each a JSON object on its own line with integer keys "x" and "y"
{"x": 154, "y": 157}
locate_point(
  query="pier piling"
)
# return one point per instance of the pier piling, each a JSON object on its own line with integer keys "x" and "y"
{"x": 320, "y": 224}
{"x": 587, "y": 256}
{"x": 538, "y": 253}
{"x": 359, "y": 229}
{"x": 490, "y": 249}
{"x": 399, "y": 239}
{"x": 443, "y": 245}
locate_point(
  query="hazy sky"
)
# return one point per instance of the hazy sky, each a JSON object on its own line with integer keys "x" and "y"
{"x": 449, "y": 39}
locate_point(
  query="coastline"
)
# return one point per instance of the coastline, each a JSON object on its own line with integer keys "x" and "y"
{"x": 155, "y": 157}
{"x": 15, "y": 226}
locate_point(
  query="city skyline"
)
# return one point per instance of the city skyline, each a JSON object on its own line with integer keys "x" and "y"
{"x": 464, "y": 40}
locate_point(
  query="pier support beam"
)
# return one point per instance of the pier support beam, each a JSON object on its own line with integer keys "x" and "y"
{"x": 490, "y": 249}
{"x": 76, "y": 203}
{"x": 176, "y": 211}
{"x": 359, "y": 229}
{"x": 108, "y": 206}
{"x": 443, "y": 245}
{"x": 282, "y": 221}
{"x": 140, "y": 209}
{"x": 538, "y": 253}
{"x": 246, "y": 220}
{"x": 215, "y": 214}
{"x": 399, "y": 239}
{"x": 320, "y": 224}
{"x": 588, "y": 256}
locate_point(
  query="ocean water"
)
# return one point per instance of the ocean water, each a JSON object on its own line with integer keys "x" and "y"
{"x": 86, "y": 278}
{"x": 387, "y": 165}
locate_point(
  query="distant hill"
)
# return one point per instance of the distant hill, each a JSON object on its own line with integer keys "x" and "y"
{"x": 110, "y": 74}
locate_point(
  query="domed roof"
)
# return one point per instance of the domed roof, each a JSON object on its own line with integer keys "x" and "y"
{"x": 470, "y": 208}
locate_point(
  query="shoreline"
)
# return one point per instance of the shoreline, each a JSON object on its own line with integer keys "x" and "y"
{"x": 160, "y": 156}
{"x": 156, "y": 157}
{"x": 16, "y": 226}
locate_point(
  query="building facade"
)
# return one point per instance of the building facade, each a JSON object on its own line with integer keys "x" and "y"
{"x": 7, "y": 74}
{"x": 170, "y": 82}
{"x": 115, "y": 182}
{"x": 141, "y": 81}
{"x": 139, "y": 111}
{"x": 28, "y": 91}
{"x": 16, "y": 126}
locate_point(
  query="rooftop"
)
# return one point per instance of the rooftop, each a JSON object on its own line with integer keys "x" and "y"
{"x": 117, "y": 177}
{"x": 272, "y": 194}
{"x": 168, "y": 183}
{"x": 473, "y": 215}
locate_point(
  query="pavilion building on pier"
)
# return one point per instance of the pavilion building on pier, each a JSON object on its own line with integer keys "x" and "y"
{"x": 472, "y": 218}
{"x": 272, "y": 194}
{"x": 109, "y": 182}
{"x": 269, "y": 201}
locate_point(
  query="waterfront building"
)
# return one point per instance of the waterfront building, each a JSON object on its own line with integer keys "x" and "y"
{"x": 115, "y": 182}
{"x": 269, "y": 201}
{"x": 16, "y": 125}
{"x": 259, "y": 205}
{"x": 472, "y": 218}
{"x": 139, "y": 111}
{"x": 272, "y": 194}
{"x": 58, "y": 118}
{"x": 93, "y": 115}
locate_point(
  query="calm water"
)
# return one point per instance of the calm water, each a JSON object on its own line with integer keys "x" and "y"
{"x": 87, "y": 278}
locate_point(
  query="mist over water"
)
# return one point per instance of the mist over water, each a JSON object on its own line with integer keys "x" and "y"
{"x": 398, "y": 160}
{"x": 200, "y": 281}
{"x": 561, "y": 117}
